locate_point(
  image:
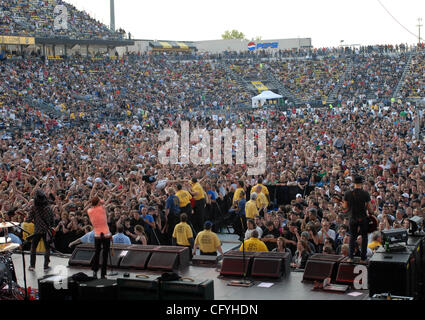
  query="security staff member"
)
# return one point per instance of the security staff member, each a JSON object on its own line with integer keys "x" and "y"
{"x": 254, "y": 244}
{"x": 236, "y": 195}
{"x": 182, "y": 234}
{"x": 262, "y": 201}
{"x": 263, "y": 189}
{"x": 251, "y": 210}
{"x": 198, "y": 194}
{"x": 184, "y": 197}
{"x": 207, "y": 241}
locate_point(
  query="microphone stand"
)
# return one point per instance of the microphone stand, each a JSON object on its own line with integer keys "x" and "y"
{"x": 23, "y": 261}
{"x": 244, "y": 282}
{"x": 112, "y": 273}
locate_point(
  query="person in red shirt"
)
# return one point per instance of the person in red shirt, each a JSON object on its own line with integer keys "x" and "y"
{"x": 102, "y": 235}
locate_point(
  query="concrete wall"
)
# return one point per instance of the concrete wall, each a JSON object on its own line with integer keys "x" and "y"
{"x": 218, "y": 46}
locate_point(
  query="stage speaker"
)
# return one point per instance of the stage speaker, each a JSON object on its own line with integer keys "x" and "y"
{"x": 391, "y": 273}
{"x": 345, "y": 274}
{"x": 67, "y": 288}
{"x": 138, "y": 288}
{"x": 118, "y": 251}
{"x": 327, "y": 257}
{"x": 205, "y": 261}
{"x": 187, "y": 289}
{"x": 98, "y": 290}
{"x": 234, "y": 266}
{"x": 137, "y": 257}
{"x": 271, "y": 264}
{"x": 319, "y": 270}
{"x": 169, "y": 258}
{"x": 83, "y": 255}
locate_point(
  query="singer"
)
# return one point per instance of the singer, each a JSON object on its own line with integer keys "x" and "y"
{"x": 102, "y": 235}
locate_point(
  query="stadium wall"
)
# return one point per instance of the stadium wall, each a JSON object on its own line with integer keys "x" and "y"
{"x": 219, "y": 46}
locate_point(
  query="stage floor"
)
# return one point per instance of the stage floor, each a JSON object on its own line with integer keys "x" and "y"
{"x": 289, "y": 288}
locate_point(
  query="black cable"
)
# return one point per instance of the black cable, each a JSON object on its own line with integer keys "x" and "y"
{"x": 396, "y": 19}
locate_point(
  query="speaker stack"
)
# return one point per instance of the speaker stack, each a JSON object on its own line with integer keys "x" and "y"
{"x": 398, "y": 273}
{"x": 257, "y": 264}
{"x": 139, "y": 257}
{"x": 321, "y": 266}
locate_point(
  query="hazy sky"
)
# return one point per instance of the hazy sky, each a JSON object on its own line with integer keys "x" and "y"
{"x": 325, "y": 21}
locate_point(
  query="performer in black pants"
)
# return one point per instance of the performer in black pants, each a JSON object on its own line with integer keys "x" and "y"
{"x": 357, "y": 201}
{"x": 102, "y": 236}
{"x": 42, "y": 216}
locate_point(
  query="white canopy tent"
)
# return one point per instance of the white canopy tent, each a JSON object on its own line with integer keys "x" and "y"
{"x": 259, "y": 100}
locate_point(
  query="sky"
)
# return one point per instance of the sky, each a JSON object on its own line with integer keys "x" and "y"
{"x": 326, "y": 22}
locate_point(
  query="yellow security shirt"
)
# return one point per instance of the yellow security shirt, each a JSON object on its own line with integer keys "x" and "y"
{"x": 236, "y": 196}
{"x": 208, "y": 241}
{"x": 196, "y": 187}
{"x": 262, "y": 200}
{"x": 263, "y": 190}
{"x": 254, "y": 244}
{"x": 184, "y": 197}
{"x": 251, "y": 210}
{"x": 182, "y": 233}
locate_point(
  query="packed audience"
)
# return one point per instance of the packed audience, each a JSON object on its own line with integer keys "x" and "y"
{"x": 81, "y": 126}
{"x": 37, "y": 18}
{"x": 414, "y": 84}
{"x": 374, "y": 76}
{"x": 311, "y": 79}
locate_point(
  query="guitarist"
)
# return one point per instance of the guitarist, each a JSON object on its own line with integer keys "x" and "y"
{"x": 42, "y": 216}
{"x": 357, "y": 202}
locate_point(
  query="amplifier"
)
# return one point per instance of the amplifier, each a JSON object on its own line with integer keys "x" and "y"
{"x": 187, "y": 289}
{"x": 392, "y": 273}
{"x": 66, "y": 288}
{"x": 100, "y": 289}
{"x": 205, "y": 261}
{"x": 143, "y": 287}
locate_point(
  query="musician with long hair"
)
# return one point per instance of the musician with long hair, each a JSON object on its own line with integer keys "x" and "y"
{"x": 102, "y": 235}
{"x": 42, "y": 216}
{"x": 357, "y": 202}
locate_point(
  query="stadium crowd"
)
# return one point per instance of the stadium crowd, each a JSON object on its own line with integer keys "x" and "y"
{"x": 320, "y": 148}
{"x": 83, "y": 127}
{"x": 37, "y": 18}
{"x": 414, "y": 84}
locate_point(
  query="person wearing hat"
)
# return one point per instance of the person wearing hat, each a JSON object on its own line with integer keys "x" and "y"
{"x": 357, "y": 203}
{"x": 42, "y": 216}
{"x": 207, "y": 241}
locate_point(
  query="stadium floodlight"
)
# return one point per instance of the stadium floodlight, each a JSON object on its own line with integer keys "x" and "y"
{"x": 112, "y": 2}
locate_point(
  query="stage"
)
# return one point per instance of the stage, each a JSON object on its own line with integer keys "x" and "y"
{"x": 288, "y": 288}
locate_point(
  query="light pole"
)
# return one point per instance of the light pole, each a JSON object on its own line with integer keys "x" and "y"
{"x": 112, "y": 9}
